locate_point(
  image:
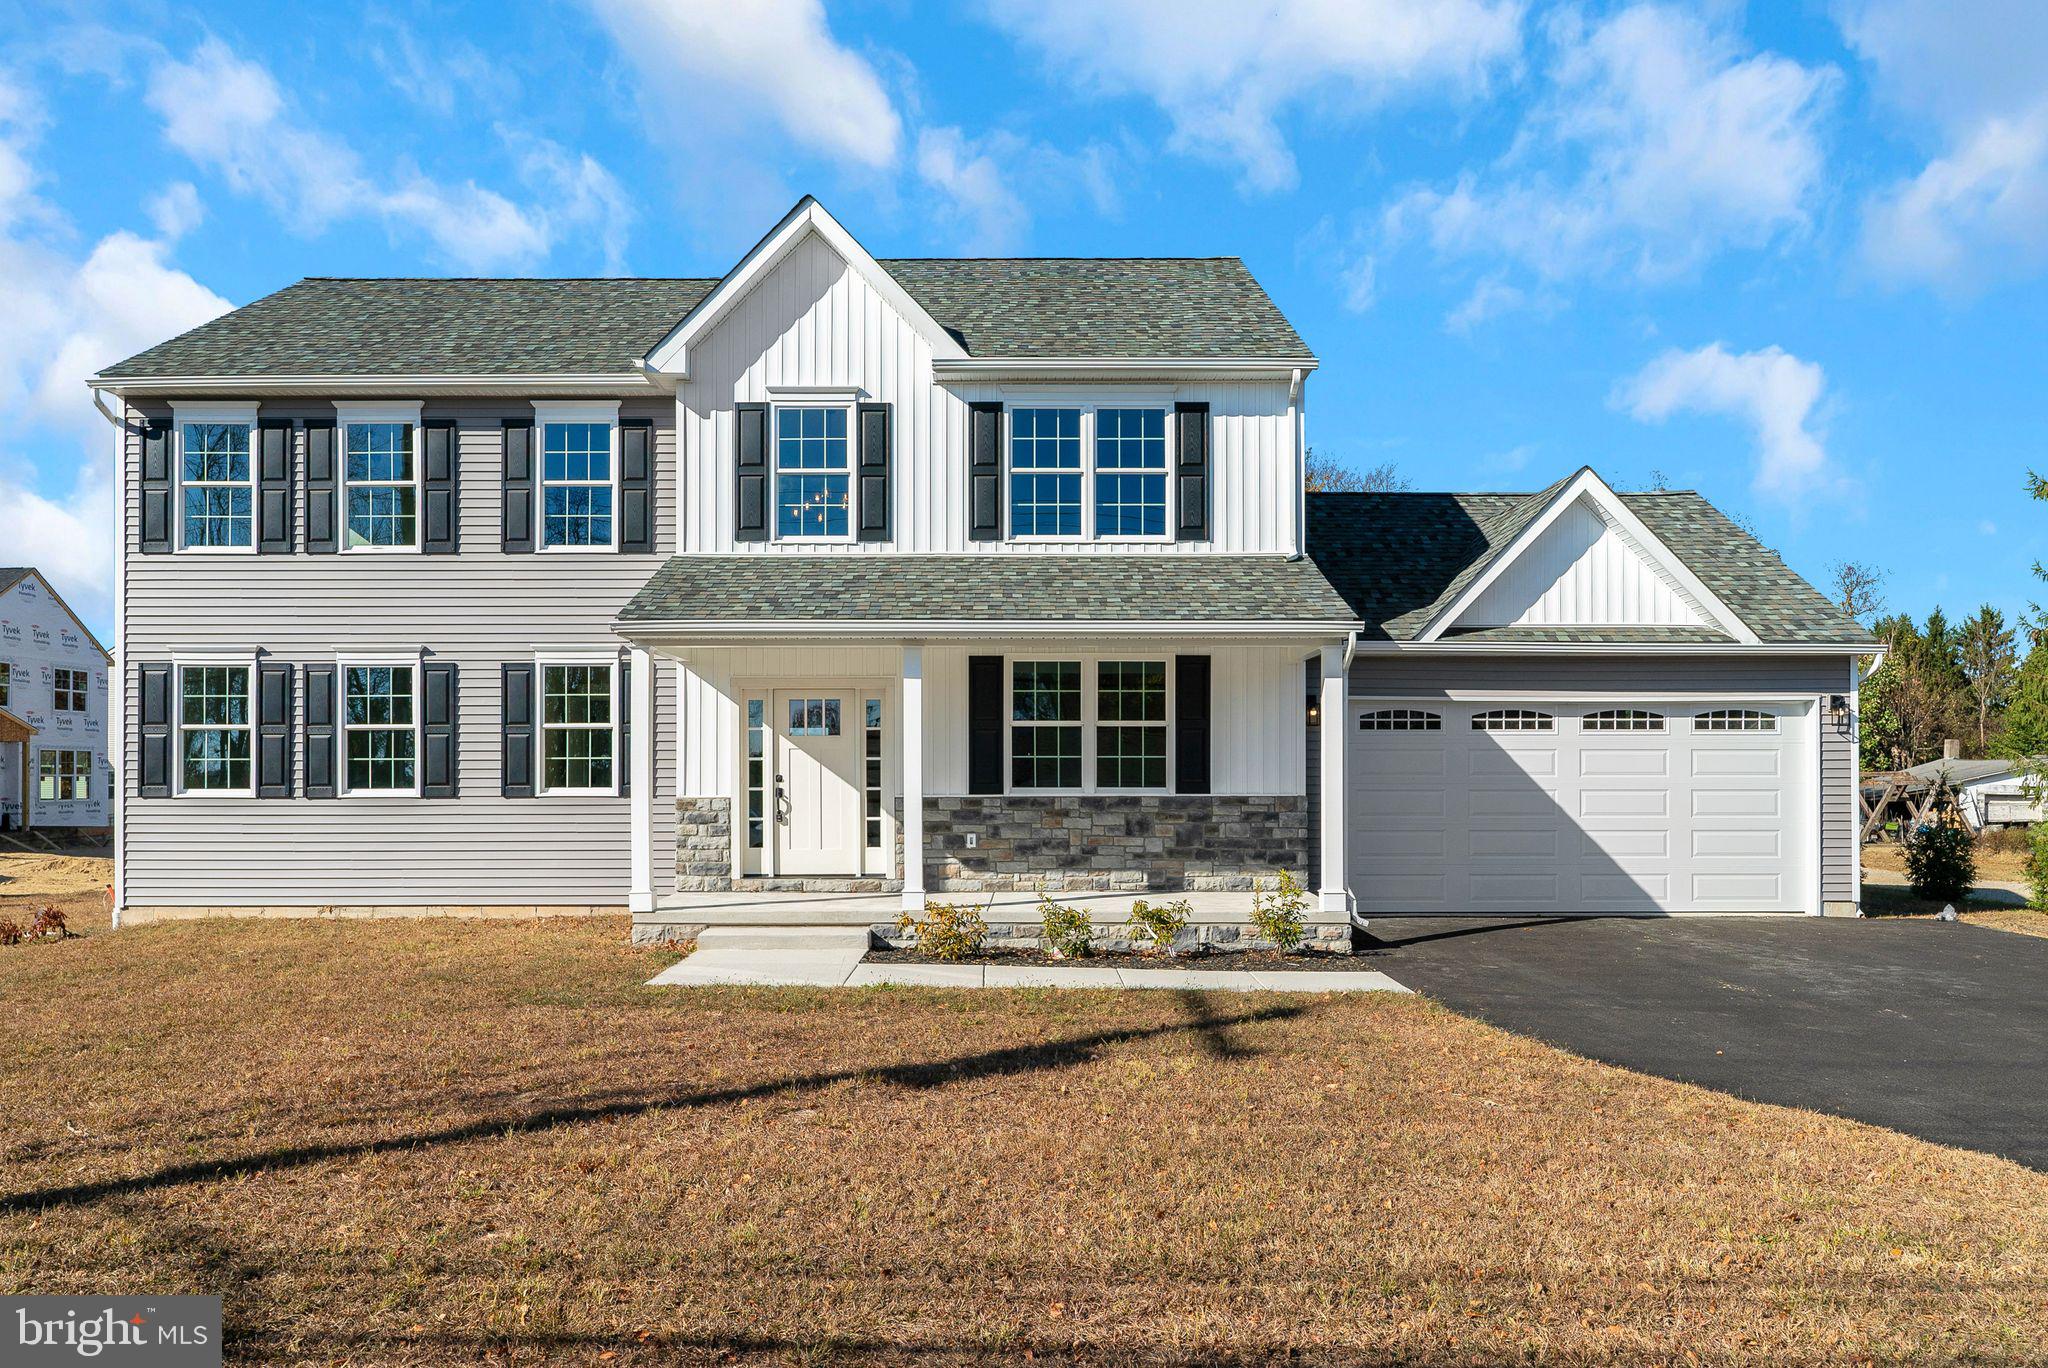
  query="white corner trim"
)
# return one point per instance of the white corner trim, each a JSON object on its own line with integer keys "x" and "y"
{"x": 1588, "y": 484}
{"x": 670, "y": 356}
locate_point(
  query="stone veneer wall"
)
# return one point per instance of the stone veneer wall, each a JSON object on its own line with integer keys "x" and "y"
{"x": 1137, "y": 842}
{"x": 703, "y": 845}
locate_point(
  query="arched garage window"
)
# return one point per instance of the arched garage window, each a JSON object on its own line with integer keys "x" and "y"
{"x": 1400, "y": 719}
{"x": 1513, "y": 719}
{"x": 1623, "y": 720}
{"x": 1735, "y": 720}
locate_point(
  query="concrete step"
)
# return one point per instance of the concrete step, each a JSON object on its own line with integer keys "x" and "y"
{"x": 786, "y": 940}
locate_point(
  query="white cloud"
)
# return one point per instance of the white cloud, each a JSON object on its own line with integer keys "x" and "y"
{"x": 176, "y": 209}
{"x": 1659, "y": 143}
{"x": 1771, "y": 390}
{"x": 228, "y": 114}
{"x": 1490, "y": 298}
{"x": 986, "y": 181}
{"x": 1977, "y": 76}
{"x": 1225, "y": 71}
{"x": 773, "y": 57}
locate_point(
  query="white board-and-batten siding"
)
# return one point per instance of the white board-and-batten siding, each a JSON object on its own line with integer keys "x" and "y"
{"x": 815, "y": 322}
{"x": 479, "y": 609}
{"x": 1583, "y": 571}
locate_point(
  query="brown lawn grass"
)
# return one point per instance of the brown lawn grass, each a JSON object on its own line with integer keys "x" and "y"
{"x": 2000, "y": 858}
{"x": 437, "y": 1142}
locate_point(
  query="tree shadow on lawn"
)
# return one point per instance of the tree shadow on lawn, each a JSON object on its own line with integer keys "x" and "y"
{"x": 1213, "y": 1031}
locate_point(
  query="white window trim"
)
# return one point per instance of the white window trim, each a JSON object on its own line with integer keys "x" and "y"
{"x": 845, "y": 401}
{"x": 6, "y": 684}
{"x": 1088, "y": 403}
{"x": 91, "y": 775}
{"x": 84, "y": 691}
{"x": 347, "y": 415}
{"x": 181, "y": 414}
{"x": 180, "y": 664}
{"x": 1090, "y": 721}
{"x": 412, "y": 662}
{"x": 541, "y": 662}
{"x": 604, "y": 411}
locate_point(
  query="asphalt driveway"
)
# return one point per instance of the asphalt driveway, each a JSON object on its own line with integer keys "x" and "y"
{"x": 1939, "y": 1030}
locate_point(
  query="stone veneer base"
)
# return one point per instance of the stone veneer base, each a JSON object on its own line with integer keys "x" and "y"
{"x": 1113, "y": 843}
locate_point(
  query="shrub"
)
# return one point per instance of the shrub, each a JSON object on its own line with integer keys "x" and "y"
{"x": 1160, "y": 924}
{"x": 48, "y": 921}
{"x": 1068, "y": 932}
{"x": 946, "y": 931}
{"x": 10, "y": 932}
{"x": 1941, "y": 862}
{"x": 1277, "y": 913}
{"x": 2037, "y": 864}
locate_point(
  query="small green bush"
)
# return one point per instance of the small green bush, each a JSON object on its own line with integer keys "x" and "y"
{"x": 1277, "y": 913}
{"x": 1160, "y": 924}
{"x": 1941, "y": 862}
{"x": 1068, "y": 932}
{"x": 2037, "y": 865}
{"x": 946, "y": 931}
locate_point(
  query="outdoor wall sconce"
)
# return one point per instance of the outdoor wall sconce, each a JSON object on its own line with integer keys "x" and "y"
{"x": 1315, "y": 711}
{"x": 1838, "y": 706}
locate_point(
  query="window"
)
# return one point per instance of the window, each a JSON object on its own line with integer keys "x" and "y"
{"x": 1400, "y": 719}
{"x": 380, "y": 474}
{"x": 757, "y": 766}
{"x": 576, "y": 484}
{"x": 1623, "y": 719}
{"x": 813, "y": 717}
{"x": 64, "y": 775}
{"x": 1130, "y": 736}
{"x": 1045, "y": 724}
{"x": 578, "y": 728}
{"x": 1045, "y": 472}
{"x": 813, "y": 485}
{"x": 219, "y": 497}
{"x": 6, "y": 683}
{"x": 1130, "y": 472}
{"x": 872, "y": 776}
{"x": 1735, "y": 720}
{"x": 1513, "y": 719}
{"x": 213, "y": 729}
{"x": 68, "y": 690}
{"x": 379, "y": 721}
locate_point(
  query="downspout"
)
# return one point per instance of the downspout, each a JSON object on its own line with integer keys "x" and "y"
{"x": 117, "y": 691}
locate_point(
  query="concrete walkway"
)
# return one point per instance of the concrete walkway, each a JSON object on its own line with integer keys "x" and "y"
{"x": 810, "y": 957}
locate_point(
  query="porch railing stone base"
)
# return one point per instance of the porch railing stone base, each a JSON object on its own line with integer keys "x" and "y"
{"x": 1111, "y": 937}
{"x": 703, "y": 845}
{"x": 1114, "y": 843}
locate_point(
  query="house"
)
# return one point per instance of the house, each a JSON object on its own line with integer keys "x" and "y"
{"x": 53, "y": 710}
{"x": 835, "y": 584}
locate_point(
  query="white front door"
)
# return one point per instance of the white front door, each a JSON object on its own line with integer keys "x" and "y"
{"x": 816, "y": 781}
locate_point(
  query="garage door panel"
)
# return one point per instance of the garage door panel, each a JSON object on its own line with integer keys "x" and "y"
{"x": 1644, "y": 891}
{"x": 1400, "y": 763}
{"x": 1418, "y": 891}
{"x": 1755, "y": 844}
{"x": 1653, "y": 843}
{"x": 1722, "y": 764}
{"x": 1630, "y": 802}
{"x": 1519, "y": 801}
{"x": 1382, "y": 803}
{"x": 1753, "y": 803}
{"x": 1749, "y": 890}
{"x": 1541, "y": 843}
{"x": 1618, "y": 762}
{"x": 1486, "y": 761}
{"x": 1393, "y": 843}
{"x": 1514, "y": 889}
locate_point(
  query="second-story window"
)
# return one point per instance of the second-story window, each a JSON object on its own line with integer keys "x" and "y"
{"x": 1084, "y": 473}
{"x": 813, "y": 479}
{"x": 1045, "y": 472}
{"x": 218, "y": 501}
{"x": 68, "y": 688}
{"x": 1130, "y": 472}
{"x": 381, "y": 473}
{"x": 576, "y": 484}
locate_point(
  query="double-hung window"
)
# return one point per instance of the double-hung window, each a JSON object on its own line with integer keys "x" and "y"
{"x": 6, "y": 683}
{"x": 1082, "y": 473}
{"x": 1130, "y": 732}
{"x": 64, "y": 775}
{"x": 1045, "y": 724}
{"x": 1130, "y": 472}
{"x": 579, "y": 727}
{"x": 217, "y": 498}
{"x": 1045, "y": 472}
{"x": 68, "y": 690}
{"x": 579, "y": 474}
{"x": 813, "y": 473}
{"x": 380, "y": 728}
{"x": 1097, "y": 726}
{"x": 380, "y": 473}
{"x": 213, "y": 729}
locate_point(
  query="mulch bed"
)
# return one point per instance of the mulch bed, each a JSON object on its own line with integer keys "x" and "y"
{"x": 1262, "y": 961}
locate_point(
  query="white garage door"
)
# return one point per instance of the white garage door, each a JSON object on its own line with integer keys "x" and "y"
{"x": 1579, "y": 808}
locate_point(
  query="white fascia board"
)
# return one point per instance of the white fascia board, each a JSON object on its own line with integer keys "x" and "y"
{"x": 670, "y": 356}
{"x": 214, "y": 411}
{"x": 1700, "y": 648}
{"x": 758, "y": 628}
{"x": 398, "y": 386}
{"x": 1588, "y": 484}
{"x": 575, "y": 410}
{"x": 1136, "y": 368}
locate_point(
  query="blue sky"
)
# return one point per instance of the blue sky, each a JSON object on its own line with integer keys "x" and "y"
{"x": 1794, "y": 255}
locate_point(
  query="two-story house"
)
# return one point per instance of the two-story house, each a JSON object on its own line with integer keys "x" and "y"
{"x": 836, "y": 583}
{"x": 53, "y": 710}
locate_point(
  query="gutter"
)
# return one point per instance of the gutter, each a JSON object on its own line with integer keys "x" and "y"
{"x": 640, "y": 382}
{"x": 756, "y": 628}
{"x": 978, "y": 367}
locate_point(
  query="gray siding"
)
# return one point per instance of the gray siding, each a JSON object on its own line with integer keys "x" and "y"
{"x": 477, "y": 609}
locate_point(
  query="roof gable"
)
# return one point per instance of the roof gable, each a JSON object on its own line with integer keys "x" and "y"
{"x": 26, "y": 579}
{"x": 1584, "y": 570}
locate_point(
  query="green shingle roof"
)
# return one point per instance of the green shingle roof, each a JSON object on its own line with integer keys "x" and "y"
{"x": 992, "y": 589}
{"x": 1400, "y": 558}
{"x": 1207, "y": 308}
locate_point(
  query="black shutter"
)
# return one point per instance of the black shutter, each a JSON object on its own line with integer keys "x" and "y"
{"x": 440, "y": 519}
{"x": 636, "y": 484}
{"x": 437, "y": 731}
{"x": 155, "y": 488}
{"x": 273, "y": 731}
{"x": 985, "y": 474}
{"x": 985, "y": 724}
{"x": 518, "y": 492}
{"x": 322, "y": 479}
{"x": 1191, "y": 724}
{"x": 274, "y": 496}
{"x": 625, "y": 728}
{"x": 153, "y": 705}
{"x": 872, "y": 423}
{"x": 1191, "y": 472}
{"x": 750, "y": 473}
{"x": 320, "y": 732}
{"x": 517, "y": 775}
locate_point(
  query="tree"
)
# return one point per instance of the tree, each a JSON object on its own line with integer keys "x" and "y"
{"x": 1859, "y": 590}
{"x": 1327, "y": 475}
{"x": 2024, "y": 736}
{"x": 1989, "y": 661}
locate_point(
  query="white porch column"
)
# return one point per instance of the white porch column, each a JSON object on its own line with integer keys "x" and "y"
{"x": 1334, "y": 893}
{"x": 912, "y": 727}
{"x": 640, "y": 894}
